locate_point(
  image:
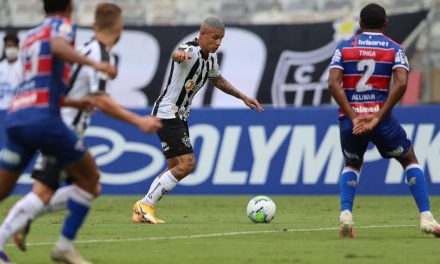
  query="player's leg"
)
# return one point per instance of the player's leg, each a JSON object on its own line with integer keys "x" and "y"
{"x": 353, "y": 148}
{"x": 392, "y": 142}
{"x": 177, "y": 148}
{"x": 28, "y": 208}
{"x": 13, "y": 159}
{"x": 417, "y": 184}
{"x": 85, "y": 175}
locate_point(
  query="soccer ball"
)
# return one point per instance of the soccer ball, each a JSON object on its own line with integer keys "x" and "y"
{"x": 261, "y": 209}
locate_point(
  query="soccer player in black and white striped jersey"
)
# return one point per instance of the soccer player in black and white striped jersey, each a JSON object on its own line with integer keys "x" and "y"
{"x": 193, "y": 64}
{"x": 85, "y": 82}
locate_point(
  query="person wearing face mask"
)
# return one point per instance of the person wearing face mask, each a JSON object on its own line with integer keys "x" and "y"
{"x": 10, "y": 69}
{"x": 85, "y": 82}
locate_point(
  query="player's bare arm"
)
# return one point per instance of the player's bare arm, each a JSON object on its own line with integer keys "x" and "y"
{"x": 180, "y": 56}
{"x": 105, "y": 103}
{"x": 82, "y": 104}
{"x": 223, "y": 84}
{"x": 400, "y": 80}
{"x": 62, "y": 50}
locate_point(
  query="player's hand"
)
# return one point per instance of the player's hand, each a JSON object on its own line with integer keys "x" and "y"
{"x": 180, "y": 55}
{"x": 252, "y": 103}
{"x": 106, "y": 68}
{"x": 149, "y": 124}
{"x": 365, "y": 124}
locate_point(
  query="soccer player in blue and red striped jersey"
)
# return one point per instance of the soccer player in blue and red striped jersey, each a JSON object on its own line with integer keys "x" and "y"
{"x": 361, "y": 71}
{"x": 33, "y": 122}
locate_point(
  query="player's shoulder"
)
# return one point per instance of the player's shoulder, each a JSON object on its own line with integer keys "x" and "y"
{"x": 394, "y": 44}
{"x": 190, "y": 46}
{"x": 351, "y": 42}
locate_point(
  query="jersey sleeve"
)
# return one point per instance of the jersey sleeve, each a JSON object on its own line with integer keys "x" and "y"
{"x": 214, "y": 71}
{"x": 64, "y": 29}
{"x": 400, "y": 59}
{"x": 336, "y": 61}
{"x": 188, "y": 49}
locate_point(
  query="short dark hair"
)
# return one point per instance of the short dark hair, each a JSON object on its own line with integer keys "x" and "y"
{"x": 11, "y": 35}
{"x": 373, "y": 16}
{"x": 51, "y": 6}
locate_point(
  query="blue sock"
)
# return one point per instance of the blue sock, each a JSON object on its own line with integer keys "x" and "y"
{"x": 347, "y": 185}
{"x": 78, "y": 205}
{"x": 417, "y": 185}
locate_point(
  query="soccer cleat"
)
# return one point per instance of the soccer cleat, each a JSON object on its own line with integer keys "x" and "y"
{"x": 144, "y": 213}
{"x": 346, "y": 227}
{"x": 3, "y": 258}
{"x": 20, "y": 237}
{"x": 429, "y": 225}
{"x": 67, "y": 256}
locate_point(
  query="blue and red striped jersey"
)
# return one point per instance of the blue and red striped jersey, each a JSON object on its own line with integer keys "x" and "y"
{"x": 368, "y": 61}
{"x": 44, "y": 77}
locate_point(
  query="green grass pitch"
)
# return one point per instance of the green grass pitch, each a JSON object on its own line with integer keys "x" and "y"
{"x": 215, "y": 229}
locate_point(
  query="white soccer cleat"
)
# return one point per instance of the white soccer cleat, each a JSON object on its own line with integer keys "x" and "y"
{"x": 68, "y": 256}
{"x": 346, "y": 225}
{"x": 429, "y": 225}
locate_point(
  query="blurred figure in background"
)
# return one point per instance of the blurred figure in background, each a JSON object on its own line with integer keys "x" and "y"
{"x": 10, "y": 69}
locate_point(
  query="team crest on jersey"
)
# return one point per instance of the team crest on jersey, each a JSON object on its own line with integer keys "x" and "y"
{"x": 189, "y": 85}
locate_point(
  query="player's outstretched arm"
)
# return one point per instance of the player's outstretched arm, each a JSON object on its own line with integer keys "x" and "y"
{"x": 105, "y": 103}
{"x": 223, "y": 84}
{"x": 84, "y": 104}
{"x": 180, "y": 56}
{"x": 62, "y": 50}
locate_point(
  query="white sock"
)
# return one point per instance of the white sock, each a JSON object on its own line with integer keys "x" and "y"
{"x": 26, "y": 209}
{"x": 64, "y": 244}
{"x": 160, "y": 186}
{"x": 59, "y": 199}
{"x": 427, "y": 215}
{"x": 344, "y": 212}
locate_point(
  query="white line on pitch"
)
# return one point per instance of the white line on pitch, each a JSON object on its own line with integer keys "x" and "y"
{"x": 216, "y": 235}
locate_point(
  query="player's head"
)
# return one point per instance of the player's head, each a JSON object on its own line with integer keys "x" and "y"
{"x": 108, "y": 20}
{"x": 10, "y": 47}
{"x": 373, "y": 17}
{"x": 58, "y": 7}
{"x": 212, "y": 31}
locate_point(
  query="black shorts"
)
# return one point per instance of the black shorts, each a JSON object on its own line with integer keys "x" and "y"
{"x": 174, "y": 138}
{"x": 47, "y": 172}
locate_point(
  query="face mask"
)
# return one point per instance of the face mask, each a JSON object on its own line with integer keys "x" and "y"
{"x": 11, "y": 53}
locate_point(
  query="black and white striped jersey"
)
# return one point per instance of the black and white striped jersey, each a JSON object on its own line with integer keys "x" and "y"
{"x": 86, "y": 80}
{"x": 184, "y": 81}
